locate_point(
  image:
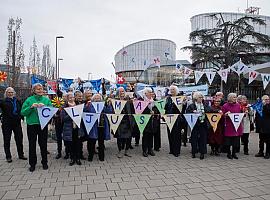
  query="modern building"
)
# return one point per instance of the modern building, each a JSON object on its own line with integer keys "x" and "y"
{"x": 132, "y": 60}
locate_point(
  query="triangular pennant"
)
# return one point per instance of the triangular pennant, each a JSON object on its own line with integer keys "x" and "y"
{"x": 187, "y": 72}
{"x": 178, "y": 101}
{"x": 75, "y": 113}
{"x": 265, "y": 80}
{"x": 252, "y": 75}
{"x": 191, "y": 119}
{"x": 161, "y": 106}
{"x": 114, "y": 120}
{"x": 139, "y": 106}
{"x": 118, "y": 105}
{"x": 170, "y": 120}
{"x": 178, "y": 66}
{"x": 213, "y": 118}
{"x": 141, "y": 121}
{"x": 198, "y": 75}
{"x": 98, "y": 106}
{"x": 45, "y": 114}
{"x": 224, "y": 74}
{"x": 236, "y": 119}
{"x": 239, "y": 67}
{"x": 210, "y": 76}
{"x": 89, "y": 119}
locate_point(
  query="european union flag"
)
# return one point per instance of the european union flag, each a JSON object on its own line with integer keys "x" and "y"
{"x": 258, "y": 106}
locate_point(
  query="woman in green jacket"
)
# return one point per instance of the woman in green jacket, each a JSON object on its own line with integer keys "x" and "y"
{"x": 29, "y": 110}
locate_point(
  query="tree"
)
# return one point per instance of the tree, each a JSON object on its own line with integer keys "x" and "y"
{"x": 224, "y": 44}
{"x": 34, "y": 58}
{"x": 47, "y": 67}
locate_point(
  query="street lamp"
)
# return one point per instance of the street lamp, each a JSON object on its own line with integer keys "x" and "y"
{"x": 58, "y": 64}
{"x": 89, "y": 75}
{"x": 56, "y": 59}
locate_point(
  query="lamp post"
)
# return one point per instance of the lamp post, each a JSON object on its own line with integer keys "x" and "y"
{"x": 56, "y": 59}
{"x": 89, "y": 76}
{"x": 58, "y": 64}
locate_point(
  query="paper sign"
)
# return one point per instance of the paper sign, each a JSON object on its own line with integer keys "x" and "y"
{"x": 236, "y": 119}
{"x": 75, "y": 113}
{"x": 213, "y": 118}
{"x": 252, "y": 75}
{"x": 198, "y": 75}
{"x": 191, "y": 119}
{"x": 187, "y": 72}
{"x": 224, "y": 74}
{"x": 141, "y": 121}
{"x": 98, "y": 106}
{"x": 139, "y": 106}
{"x": 178, "y": 101}
{"x": 170, "y": 120}
{"x": 118, "y": 105}
{"x": 89, "y": 119}
{"x": 161, "y": 106}
{"x": 114, "y": 120}
{"x": 45, "y": 114}
{"x": 210, "y": 76}
{"x": 265, "y": 79}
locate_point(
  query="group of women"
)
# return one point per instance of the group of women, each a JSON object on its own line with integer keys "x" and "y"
{"x": 224, "y": 139}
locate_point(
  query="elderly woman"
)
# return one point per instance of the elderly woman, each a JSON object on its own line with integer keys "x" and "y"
{"x": 124, "y": 131}
{"x": 29, "y": 110}
{"x": 200, "y": 130}
{"x": 231, "y": 136}
{"x": 265, "y": 125}
{"x": 174, "y": 136}
{"x": 248, "y": 118}
{"x": 215, "y": 139}
{"x": 11, "y": 121}
{"x": 70, "y": 132}
{"x": 100, "y": 130}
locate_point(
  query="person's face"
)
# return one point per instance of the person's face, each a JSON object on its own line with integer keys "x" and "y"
{"x": 233, "y": 99}
{"x": 148, "y": 95}
{"x": 79, "y": 97}
{"x": 88, "y": 95}
{"x": 173, "y": 91}
{"x": 39, "y": 90}
{"x": 97, "y": 98}
{"x": 266, "y": 100}
{"x": 217, "y": 102}
{"x": 153, "y": 95}
{"x": 70, "y": 99}
{"x": 200, "y": 99}
{"x": 244, "y": 100}
{"x": 10, "y": 94}
{"x": 122, "y": 92}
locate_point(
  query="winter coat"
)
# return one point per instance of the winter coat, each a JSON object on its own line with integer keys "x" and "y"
{"x": 265, "y": 125}
{"x": 9, "y": 114}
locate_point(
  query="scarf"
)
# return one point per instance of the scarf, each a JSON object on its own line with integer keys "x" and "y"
{"x": 14, "y": 104}
{"x": 200, "y": 109}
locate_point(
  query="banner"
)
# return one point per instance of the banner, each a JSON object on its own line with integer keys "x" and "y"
{"x": 52, "y": 85}
{"x": 187, "y": 72}
{"x": 200, "y": 88}
{"x": 139, "y": 106}
{"x": 191, "y": 119}
{"x": 75, "y": 113}
{"x": 178, "y": 101}
{"x": 98, "y": 106}
{"x": 170, "y": 120}
{"x": 114, "y": 120}
{"x": 239, "y": 67}
{"x": 252, "y": 75}
{"x": 35, "y": 80}
{"x": 223, "y": 74}
{"x": 141, "y": 121}
{"x": 161, "y": 106}
{"x": 210, "y": 76}
{"x": 118, "y": 105}
{"x": 198, "y": 75}
{"x": 213, "y": 118}
{"x": 89, "y": 120}
{"x": 236, "y": 119}
{"x": 265, "y": 80}
{"x": 45, "y": 114}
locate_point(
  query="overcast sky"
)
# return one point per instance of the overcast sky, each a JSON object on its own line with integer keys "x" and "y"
{"x": 95, "y": 30}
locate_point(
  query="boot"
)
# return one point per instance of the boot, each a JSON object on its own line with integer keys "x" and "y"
{"x": 201, "y": 156}
{"x": 120, "y": 155}
{"x": 72, "y": 162}
{"x": 259, "y": 154}
{"x": 127, "y": 154}
{"x": 267, "y": 156}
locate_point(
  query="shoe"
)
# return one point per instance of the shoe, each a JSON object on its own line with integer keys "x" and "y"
{"x": 101, "y": 159}
{"x": 58, "y": 156}
{"x": 229, "y": 156}
{"x": 66, "y": 156}
{"x": 234, "y": 156}
{"x": 90, "y": 159}
{"x": 151, "y": 153}
{"x": 157, "y": 150}
{"x": 185, "y": 144}
{"x": 193, "y": 155}
{"x": 9, "y": 160}
{"x": 201, "y": 156}
{"x": 246, "y": 153}
{"x": 176, "y": 155}
{"x": 22, "y": 158}
{"x": 78, "y": 162}
{"x": 48, "y": 152}
{"x": 72, "y": 162}
{"x": 32, "y": 168}
{"x": 260, "y": 154}
{"x": 127, "y": 154}
{"x": 170, "y": 153}
{"x": 136, "y": 145}
{"x": 145, "y": 154}
{"x": 45, "y": 166}
{"x": 267, "y": 156}
{"x": 120, "y": 155}
{"x": 131, "y": 147}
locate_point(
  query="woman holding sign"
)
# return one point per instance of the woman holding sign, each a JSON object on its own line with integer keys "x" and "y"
{"x": 265, "y": 125}
{"x": 29, "y": 110}
{"x": 200, "y": 130}
{"x": 232, "y": 133}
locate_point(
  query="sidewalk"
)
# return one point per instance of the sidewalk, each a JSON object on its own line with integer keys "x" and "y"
{"x": 160, "y": 177}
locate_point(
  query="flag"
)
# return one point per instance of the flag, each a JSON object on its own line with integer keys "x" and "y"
{"x": 198, "y": 75}
{"x": 210, "y": 76}
{"x": 265, "y": 79}
{"x": 252, "y": 75}
{"x": 45, "y": 114}
{"x": 139, "y": 106}
{"x": 223, "y": 74}
{"x": 170, "y": 120}
{"x": 239, "y": 67}
{"x": 75, "y": 113}
{"x": 213, "y": 119}
{"x": 258, "y": 106}
{"x": 141, "y": 121}
{"x": 236, "y": 119}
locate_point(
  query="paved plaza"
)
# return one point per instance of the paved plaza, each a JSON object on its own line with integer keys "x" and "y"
{"x": 160, "y": 177}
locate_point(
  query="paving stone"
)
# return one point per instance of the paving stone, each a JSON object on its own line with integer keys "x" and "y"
{"x": 64, "y": 190}
{"x": 31, "y": 193}
{"x": 11, "y": 194}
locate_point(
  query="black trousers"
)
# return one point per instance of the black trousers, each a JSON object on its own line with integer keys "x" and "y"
{"x": 199, "y": 139}
{"x": 157, "y": 139}
{"x": 74, "y": 146}
{"x": 147, "y": 141}
{"x": 261, "y": 143}
{"x": 123, "y": 143}
{"x": 18, "y": 136}
{"x": 174, "y": 138}
{"x": 35, "y": 133}
{"x": 265, "y": 138}
{"x": 58, "y": 131}
{"x": 101, "y": 147}
{"x": 245, "y": 140}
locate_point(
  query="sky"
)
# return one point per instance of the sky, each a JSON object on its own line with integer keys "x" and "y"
{"x": 94, "y": 30}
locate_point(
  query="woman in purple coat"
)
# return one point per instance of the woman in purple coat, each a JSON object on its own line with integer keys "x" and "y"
{"x": 231, "y": 136}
